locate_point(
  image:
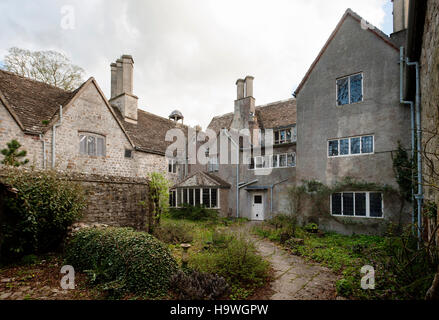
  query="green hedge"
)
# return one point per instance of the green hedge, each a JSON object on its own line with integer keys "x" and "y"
{"x": 194, "y": 213}
{"x": 36, "y": 219}
{"x": 123, "y": 260}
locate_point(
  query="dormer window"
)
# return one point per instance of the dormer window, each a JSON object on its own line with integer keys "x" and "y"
{"x": 285, "y": 135}
{"x": 92, "y": 144}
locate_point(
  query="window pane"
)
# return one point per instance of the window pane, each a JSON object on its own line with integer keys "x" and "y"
{"x": 288, "y": 135}
{"x": 257, "y": 199}
{"x": 214, "y": 198}
{"x": 252, "y": 163}
{"x": 342, "y": 91}
{"x": 197, "y": 197}
{"x": 259, "y": 162}
{"x": 344, "y": 147}
{"x": 333, "y": 148}
{"x": 83, "y": 144}
{"x": 355, "y": 145}
{"x": 170, "y": 199}
{"x": 376, "y": 205}
{"x": 292, "y": 160}
{"x": 356, "y": 88}
{"x": 191, "y": 197}
{"x": 360, "y": 204}
{"x": 348, "y": 204}
{"x": 91, "y": 144}
{"x": 100, "y": 146}
{"x": 294, "y": 133}
{"x": 267, "y": 161}
{"x": 185, "y": 196}
{"x": 275, "y": 161}
{"x": 206, "y": 198}
{"x": 282, "y": 160}
{"x": 282, "y": 136}
{"x": 336, "y": 203}
{"x": 276, "y": 137}
{"x": 367, "y": 144}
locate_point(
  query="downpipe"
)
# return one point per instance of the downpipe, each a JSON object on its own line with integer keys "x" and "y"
{"x": 44, "y": 150}
{"x": 56, "y": 125}
{"x": 415, "y": 113}
{"x": 412, "y": 118}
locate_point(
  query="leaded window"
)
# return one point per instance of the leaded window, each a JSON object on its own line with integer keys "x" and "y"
{"x": 350, "y": 89}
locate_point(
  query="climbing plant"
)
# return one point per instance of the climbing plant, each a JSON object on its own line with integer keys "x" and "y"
{"x": 12, "y": 155}
{"x": 403, "y": 167}
{"x": 159, "y": 199}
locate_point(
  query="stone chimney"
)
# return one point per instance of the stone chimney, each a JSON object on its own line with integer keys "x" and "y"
{"x": 400, "y": 15}
{"x": 122, "y": 95}
{"x": 244, "y": 114}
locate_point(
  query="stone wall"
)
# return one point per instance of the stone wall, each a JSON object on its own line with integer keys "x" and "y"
{"x": 114, "y": 200}
{"x": 430, "y": 97}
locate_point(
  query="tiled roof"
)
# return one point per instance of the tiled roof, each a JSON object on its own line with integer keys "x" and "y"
{"x": 150, "y": 131}
{"x": 32, "y": 101}
{"x": 273, "y": 115}
{"x": 202, "y": 179}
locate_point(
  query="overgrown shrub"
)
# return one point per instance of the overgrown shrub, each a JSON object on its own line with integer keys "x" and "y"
{"x": 195, "y": 285}
{"x": 238, "y": 263}
{"x": 174, "y": 233}
{"x": 122, "y": 260}
{"x": 194, "y": 213}
{"x": 37, "y": 218}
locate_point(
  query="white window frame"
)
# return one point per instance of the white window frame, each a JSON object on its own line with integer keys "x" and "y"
{"x": 349, "y": 89}
{"x": 293, "y": 135}
{"x": 212, "y": 164}
{"x": 367, "y": 204}
{"x": 95, "y": 136}
{"x": 267, "y": 161}
{"x": 173, "y": 164}
{"x": 351, "y": 154}
{"x": 186, "y": 190}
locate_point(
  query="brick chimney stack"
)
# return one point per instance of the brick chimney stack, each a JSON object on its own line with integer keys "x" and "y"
{"x": 122, "y": 95}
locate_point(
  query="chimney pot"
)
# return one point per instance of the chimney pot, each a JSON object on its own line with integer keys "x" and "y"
{"x": 240, "y": 89}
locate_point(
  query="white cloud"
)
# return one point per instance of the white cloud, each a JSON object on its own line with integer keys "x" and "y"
{"x": 188, "y": 53}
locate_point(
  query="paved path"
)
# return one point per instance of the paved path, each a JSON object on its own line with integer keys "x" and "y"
{"x": 295, "y": 278}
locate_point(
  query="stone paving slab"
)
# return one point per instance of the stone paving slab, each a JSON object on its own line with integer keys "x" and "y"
{"x": 296, "y": 278}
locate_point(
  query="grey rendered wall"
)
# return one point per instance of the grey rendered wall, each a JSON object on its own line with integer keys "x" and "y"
{"x": 352, "y": 50}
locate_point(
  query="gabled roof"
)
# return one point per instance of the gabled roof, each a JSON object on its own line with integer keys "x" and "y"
{"x": 31, "y": 102}
{"x": 202, "y": 180}
{"x": 377, "y": 32}
{"x": 273, "y": 115}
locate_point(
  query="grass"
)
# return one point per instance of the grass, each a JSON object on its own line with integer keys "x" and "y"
{"x": 218, "y": 250}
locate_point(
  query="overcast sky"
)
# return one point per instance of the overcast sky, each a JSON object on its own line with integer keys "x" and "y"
{"x": 188, "y": 53}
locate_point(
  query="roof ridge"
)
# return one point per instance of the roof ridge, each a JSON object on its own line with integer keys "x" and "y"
{"x": 34, "y": 80}
{"x": 157, "y": 116}
{"x": 275, "y": 102}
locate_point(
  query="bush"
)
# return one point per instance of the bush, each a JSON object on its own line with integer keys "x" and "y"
{"x": 174, "y": 233}
{"x": 37, "y": 219}
{"x": 238, "y": 263}
{"x": 123, "y": 260}
{"x": 195, "y": 285}
{"x": 194, "y": 213}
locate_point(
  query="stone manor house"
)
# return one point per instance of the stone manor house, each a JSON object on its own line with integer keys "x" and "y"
{"x": 345, "y": 120}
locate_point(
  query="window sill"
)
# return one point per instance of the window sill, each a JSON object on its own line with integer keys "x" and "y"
{"x": 357, "y": 217}
{"x": 349, "y": 104}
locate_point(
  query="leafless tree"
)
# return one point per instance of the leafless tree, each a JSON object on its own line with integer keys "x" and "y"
{"x": 51, "y": 67}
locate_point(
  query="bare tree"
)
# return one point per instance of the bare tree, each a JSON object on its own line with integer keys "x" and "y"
{"x": 51, "y": 67}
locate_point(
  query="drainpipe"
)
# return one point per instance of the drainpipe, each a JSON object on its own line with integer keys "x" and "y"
{"x": 237, "y": 172}
{"x": 412, "y": 116}
{"x": 420, "y": 196}
{"x": 44, "y": 150}
{"x": 54, "y": 136}
{"x": 271, "y": 195}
